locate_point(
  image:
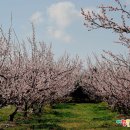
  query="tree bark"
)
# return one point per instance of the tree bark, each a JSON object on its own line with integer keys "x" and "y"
{"x": 40, "y": 109}
{"x": 12, "y": 115}
{"x": 25, "y": 109}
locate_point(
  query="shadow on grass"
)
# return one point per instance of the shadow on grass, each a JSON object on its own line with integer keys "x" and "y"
{"x": 48, "y": 126}
{"x": 41, "y": 123}
{"x": 100, "y": 108}
{"x": 63, "y": 106}
{"x": 46, "y": 122}
{"x": 106, "y": 118}
{"x": 64, "y": 114}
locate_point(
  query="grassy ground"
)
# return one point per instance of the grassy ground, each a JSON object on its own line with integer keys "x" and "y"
{"x": 64, "y": 117}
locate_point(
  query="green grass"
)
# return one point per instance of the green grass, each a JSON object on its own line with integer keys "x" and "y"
{"x": 64, "y": 117}
{"x": 5, "y": 112}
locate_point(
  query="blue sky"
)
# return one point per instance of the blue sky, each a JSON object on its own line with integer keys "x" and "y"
{"x": 59, "y": 22}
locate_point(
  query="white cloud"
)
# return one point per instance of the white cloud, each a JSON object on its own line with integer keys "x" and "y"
{"x": 63, "y": 13}
{"x": 37, "y": 18}
{"x": 59, "y": 34}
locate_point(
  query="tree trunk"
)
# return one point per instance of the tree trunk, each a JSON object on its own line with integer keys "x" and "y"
{"x": 25, "y": 109}
{"x": 11, "y": 116}
{"x": 40, "y": 109}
